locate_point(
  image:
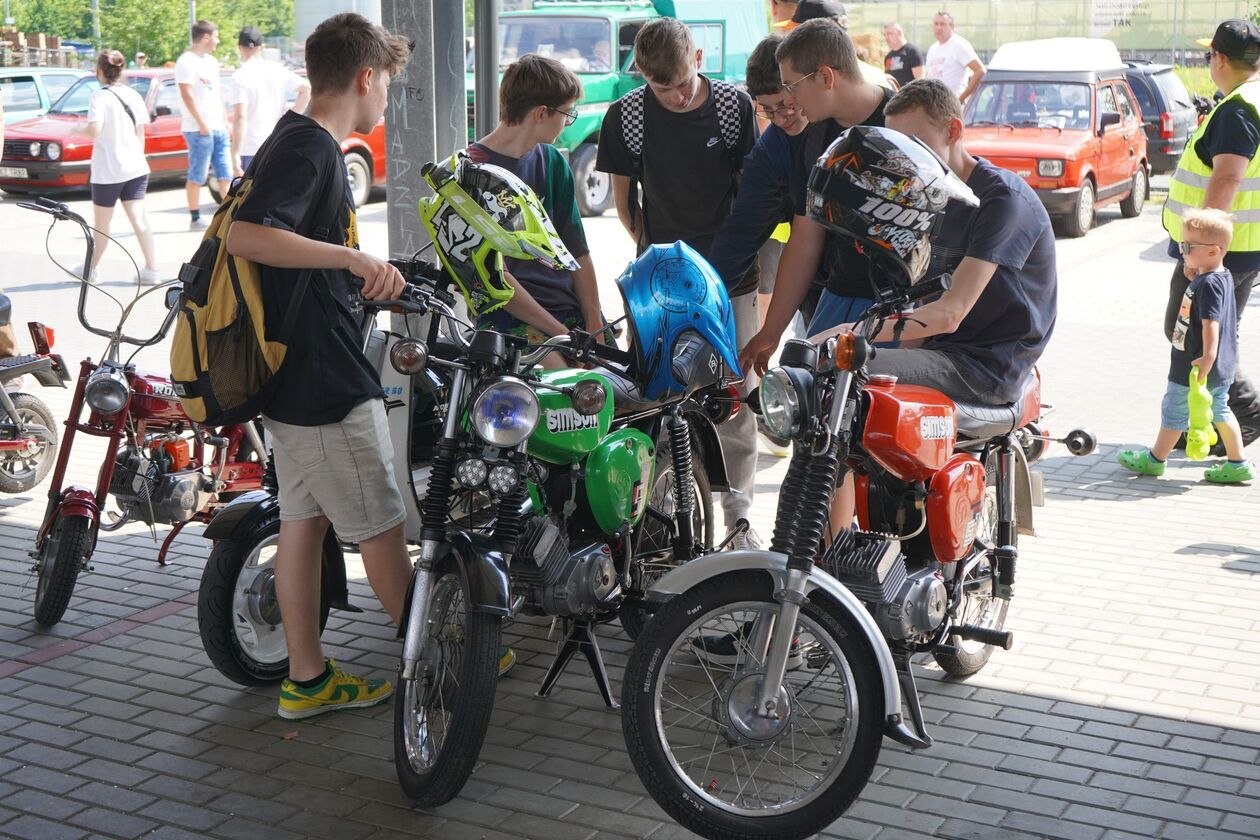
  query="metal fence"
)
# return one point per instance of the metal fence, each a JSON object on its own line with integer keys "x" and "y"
{"x": 1164, "y": 30}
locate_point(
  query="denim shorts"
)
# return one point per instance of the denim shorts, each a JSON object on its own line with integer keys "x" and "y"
{"x": 204, "y": 150}
{"x": 833, "y": 310}
{"x": 107, "y": 195}
{"x": 1175, "y": 412}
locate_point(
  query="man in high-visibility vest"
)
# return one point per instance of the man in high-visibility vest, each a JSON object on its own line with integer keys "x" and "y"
{"x": 1220, "y": 168}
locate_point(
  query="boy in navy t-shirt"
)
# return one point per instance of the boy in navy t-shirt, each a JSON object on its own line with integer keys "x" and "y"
{"x": 1205, "y": 337}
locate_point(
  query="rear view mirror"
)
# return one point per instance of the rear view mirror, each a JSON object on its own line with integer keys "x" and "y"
{"x": 172, "y": 296}
{"x": 1108, "y": 118}
{"x": 6, "y": 309}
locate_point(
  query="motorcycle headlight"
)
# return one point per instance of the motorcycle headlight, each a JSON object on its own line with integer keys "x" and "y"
{"x": 1050, "y": 168}
{"x": 106, "y": 390}
{"x": 503, "y": 479}
{"x": 505, "y": 413}
{"x": 781, "y": 404}
{"x": 471, "y": 473}
{"x": 53, "y": 150}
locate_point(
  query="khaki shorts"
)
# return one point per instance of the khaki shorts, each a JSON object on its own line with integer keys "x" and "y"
{"x": 343, "y": 471}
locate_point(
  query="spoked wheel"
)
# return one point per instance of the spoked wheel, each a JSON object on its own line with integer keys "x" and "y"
{"x": 702, "y": 753}
{"x": 21, "y": 471}
{"x": 653, "y": 541}
{"x": 979, "y": 607}
{"x": 237, "y": 612}
{"x": 441, "y": 716}
{"x": 65, "y": 551}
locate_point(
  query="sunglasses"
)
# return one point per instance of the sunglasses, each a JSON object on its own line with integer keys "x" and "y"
{"x": 570, "y": 117}
{"x": 790, "y": 87}
{"x": 1207, "y": 56}
{"x": 1187, "y": 247}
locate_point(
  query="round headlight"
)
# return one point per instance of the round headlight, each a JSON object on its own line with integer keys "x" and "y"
{"x": 780, "y": 404}
{"x": 35, "y": 149}
{"x": 505, "y": 413}
{"x": 471, "y": 473}
{"x": 53, "y": 150}
{"x": 106, "y": 391}
{"x": 503, "y": 479}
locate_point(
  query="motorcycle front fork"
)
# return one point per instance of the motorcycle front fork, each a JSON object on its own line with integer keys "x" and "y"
{"x": 416, "y": 620}
{"x": 780, "y": 630}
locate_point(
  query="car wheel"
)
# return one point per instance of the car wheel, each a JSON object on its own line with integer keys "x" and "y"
{"x": 360, "y": 172}
{"x": 1081, "y": 219}
{"x": 1132, "y": 206}
{"x": 594, "y": 188}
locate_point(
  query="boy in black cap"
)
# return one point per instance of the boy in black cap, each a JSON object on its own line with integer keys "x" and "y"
{"x": 258, "y": 98}
{"x": 1220, "y": 168}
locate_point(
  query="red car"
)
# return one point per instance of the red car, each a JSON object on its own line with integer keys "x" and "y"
{"x": 41, "y": 155}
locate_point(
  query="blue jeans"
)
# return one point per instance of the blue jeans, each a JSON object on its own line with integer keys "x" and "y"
{"x": 834, "y": 310}
{"x": 207, "y": 149}
{"x": 1175, "y": 412}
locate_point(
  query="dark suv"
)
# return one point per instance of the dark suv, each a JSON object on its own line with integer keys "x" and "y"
{"x": 1168, "y": 111}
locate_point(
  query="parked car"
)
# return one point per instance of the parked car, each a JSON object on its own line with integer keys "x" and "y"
{"x": 41, "y": 155}
{"x": 1060, "y": 114}
{"x": 1168, "y": 111}
{"x": 595, "y": 39}
{"x": 30, "y": 91}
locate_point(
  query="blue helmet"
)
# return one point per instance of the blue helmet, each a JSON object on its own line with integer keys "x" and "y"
{"x": 670, "y": 290}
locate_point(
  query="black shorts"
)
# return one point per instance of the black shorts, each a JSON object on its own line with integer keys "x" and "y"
{"x": 107, "y": 195}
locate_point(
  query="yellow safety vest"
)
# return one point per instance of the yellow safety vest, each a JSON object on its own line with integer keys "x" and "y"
{"x": 1188, "y": 188}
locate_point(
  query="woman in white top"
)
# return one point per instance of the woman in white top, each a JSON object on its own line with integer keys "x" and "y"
{"x": 116, "y": 118}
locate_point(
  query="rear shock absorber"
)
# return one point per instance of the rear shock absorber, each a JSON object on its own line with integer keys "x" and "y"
{"x": 820, "y": 486}
{"x": 791, "y": 497}
{"x": 684, "y": 484}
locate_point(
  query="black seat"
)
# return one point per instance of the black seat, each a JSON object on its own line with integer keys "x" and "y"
{"x": 982, "y": 421}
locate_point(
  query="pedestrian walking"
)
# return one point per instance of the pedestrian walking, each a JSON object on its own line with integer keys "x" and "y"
{"x": 684, "y": 136}
{"x": 204, "y": 122}
{"x": 141, "y": 61}
{"x": 1205, "y": 343}
{"x": 952, "y": 59}
{"x": 1220, "y": 168}
{"x": 119, "y": 170}
{"x": 903, "y": 62}
{"x": 260, "y": 91}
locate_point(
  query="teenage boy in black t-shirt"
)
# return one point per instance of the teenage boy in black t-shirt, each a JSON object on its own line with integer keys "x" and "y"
{"x": 689, "y": 170}
{"x": 326, "y": 417}
{"x": 820, "y": 70}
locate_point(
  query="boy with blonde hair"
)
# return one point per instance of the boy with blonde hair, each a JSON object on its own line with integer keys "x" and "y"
{"x": 1205, "y": 338}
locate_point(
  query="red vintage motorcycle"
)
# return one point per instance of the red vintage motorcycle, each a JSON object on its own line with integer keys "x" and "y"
{"x": 28, "y": 430}
{"x": 163, "y": 468}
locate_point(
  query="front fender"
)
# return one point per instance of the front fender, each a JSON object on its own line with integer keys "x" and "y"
{"x": 483, "y": 565}
{"x": 697, "y": 571}
{"x": 241, "y": 515}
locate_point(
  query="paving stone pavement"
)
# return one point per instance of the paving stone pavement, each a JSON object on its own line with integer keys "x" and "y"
{"x": 1127, "y": 709}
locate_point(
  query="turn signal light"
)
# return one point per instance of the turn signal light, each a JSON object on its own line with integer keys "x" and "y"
{"x": 846, "y": 355}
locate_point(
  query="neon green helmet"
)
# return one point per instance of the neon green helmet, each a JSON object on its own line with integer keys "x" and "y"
{"x": 478, "y": 215}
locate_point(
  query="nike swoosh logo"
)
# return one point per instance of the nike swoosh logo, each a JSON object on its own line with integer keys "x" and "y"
{"x": 713, "y": 141}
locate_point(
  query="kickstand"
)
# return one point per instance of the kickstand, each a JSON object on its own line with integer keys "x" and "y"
{"x": 910, "y": 695}
{"x": 580, "y": 639}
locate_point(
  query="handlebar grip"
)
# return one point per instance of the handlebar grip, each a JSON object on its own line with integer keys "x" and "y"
{"x": 928, "y": 288}
{"x": 46, "y": 202}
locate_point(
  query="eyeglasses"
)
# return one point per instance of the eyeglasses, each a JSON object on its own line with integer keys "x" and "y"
{"x": 1187, "y": 247}
{"x": 784, "y": 111}
{"x": 790, "y": 87}
{"x": 570, "y": 117}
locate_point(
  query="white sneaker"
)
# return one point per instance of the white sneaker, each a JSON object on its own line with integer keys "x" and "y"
{"x": 198, "y": 224}
{"x": 78, "y": 272}
{"x": 149, "y": 276}
{"x": 747, "y": 541}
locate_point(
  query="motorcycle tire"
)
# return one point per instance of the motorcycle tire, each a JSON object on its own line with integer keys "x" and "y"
{"x": 466, "y": 690}
{"x": 658, "y": 766}
{"x": 33, "y": 412}
{"x": 68, "y": 545}
{"x": 970, "y": 656}
{"x": 235, "y": 616}
{"x": 633, "y": 613}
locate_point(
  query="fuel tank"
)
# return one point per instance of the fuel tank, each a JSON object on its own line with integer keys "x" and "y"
{"x": 153, "y": 398}
{"x": 563, "y": 435}
{"x": 910, "y": 430}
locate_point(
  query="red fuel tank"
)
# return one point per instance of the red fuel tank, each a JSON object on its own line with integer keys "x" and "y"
{"x": 954, "y": 504}
{"x": 153, "y": 398}
{"x": 910, "y": 430}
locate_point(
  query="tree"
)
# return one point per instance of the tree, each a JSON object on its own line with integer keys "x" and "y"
{"x": 70, "y": 19}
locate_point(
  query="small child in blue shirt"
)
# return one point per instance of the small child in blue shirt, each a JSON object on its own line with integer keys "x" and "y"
{"x": 1206, "y": 337}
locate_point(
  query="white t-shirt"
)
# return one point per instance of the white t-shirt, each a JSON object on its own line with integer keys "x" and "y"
{"x": 262, "y": 87}
{"x": 117, "y": 153}
{"x": 948, "y": 62}
{"x": 202, "y": 73}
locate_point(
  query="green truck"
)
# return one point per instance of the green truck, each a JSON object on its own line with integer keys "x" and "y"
{"x": 595, "y": 39}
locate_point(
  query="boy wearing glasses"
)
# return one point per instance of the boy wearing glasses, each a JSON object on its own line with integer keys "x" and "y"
{"x": 537, "y": 99}
{"x": 684, "y": 137}
{"x": 1205, "y": 337}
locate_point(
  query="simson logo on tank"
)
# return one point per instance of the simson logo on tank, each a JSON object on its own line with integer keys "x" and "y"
{"x": 568, "y": 420}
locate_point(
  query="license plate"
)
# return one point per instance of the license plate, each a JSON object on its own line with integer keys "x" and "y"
{"x": 13, "y": 172}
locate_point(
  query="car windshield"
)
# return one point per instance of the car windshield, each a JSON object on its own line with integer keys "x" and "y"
{"x": 1062, "y": 105}
{"x": 582, "y": 44}
{"x": 75, "y": 100}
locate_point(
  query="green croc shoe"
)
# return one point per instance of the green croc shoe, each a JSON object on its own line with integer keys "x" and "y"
{"x": 1140, "y": 461}
{"x": 1227, "y": 473}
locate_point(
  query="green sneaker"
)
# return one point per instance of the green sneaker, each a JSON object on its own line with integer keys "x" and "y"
{"x": 1140, "y": 461}
{"x": 507, "y": 658}
{"x": 339, "y": 690}
{"x": 1227, "y": 473}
